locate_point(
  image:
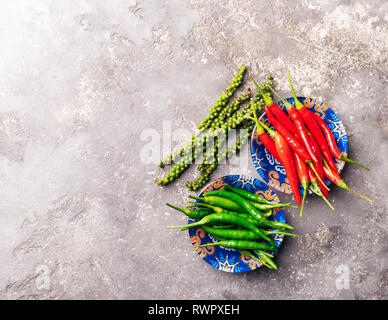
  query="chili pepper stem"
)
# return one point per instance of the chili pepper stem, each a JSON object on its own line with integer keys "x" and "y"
{"x": 286, "y": 103}
{"x": 298, "y": 104}
{"x": 343, "y": 158}
{"x": 281, "y": 232}
{"x": 196, "y": 207}
{"x": 262, "y": 261}
{"x": 265, "y": 253}
{"x": 327, "y": 166}
{"x": 196, "y": 198}
{"x": 271, "y": 132}
{"x": 318, "y": 192}
{"x": 360, "y": 195}
{"x": 342, "y": 184}
{"x": 328, "y": 202}
{"x": 247, "y": 253}
{"x": 176, "y": 208}
{"x": 187, "y": 226}
{"x": 317, "y": 175}
{"x": 267, "y": 100}
{"x": 211, "y": 244}
{"x": 305, "y": 186}
{"x": 203, "y": 205}
{"x": 267, "y": 259}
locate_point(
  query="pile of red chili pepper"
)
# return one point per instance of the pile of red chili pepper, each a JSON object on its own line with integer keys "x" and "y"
{"x": 238, "y": 219}
{"x": 305, "y": 146}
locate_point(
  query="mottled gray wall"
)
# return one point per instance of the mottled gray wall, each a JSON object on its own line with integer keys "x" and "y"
{"x": 81, "y": 216}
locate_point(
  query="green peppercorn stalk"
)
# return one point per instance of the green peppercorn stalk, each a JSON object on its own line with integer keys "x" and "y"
{"x": 226, "y": 112}
{"x": 191, "y": 149}
{"x": 177, "y": 153}
{"x": 207, "y": 169}
{"x": 213, "y": 111}
{"x": 235, "y": 120}
{"x": 230, "y": 109}
{"x": 223, "y": 99}
{"x": 198, "y": 144}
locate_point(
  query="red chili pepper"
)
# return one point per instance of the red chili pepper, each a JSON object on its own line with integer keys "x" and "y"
{"x": 319, "y": 164}
{"x": 268, "y": 143}
{"x": 285, "y": 155}
{"x": 283, "y": 131}
{"x": 313, "y": 126}
{"x": 304, "y": 180}
{"x": 288, "y": 136}
{"x": 283, "y": 118}
{"x": 336, "y": 179}
{"x": 329, "y": 136}
{"x": 300, "y": 126}
{"x": 276, "y": 110}
{"x": 294, "y": 143}
{"x": 332, "y": 143}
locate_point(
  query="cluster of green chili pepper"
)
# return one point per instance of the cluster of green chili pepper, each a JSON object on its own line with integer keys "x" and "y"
{"x": 220, "y": 120}
{"x": 238, "y": 219}
{"x": 304, "y": 145}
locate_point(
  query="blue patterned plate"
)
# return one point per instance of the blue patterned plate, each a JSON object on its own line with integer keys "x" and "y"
{"x": 271, "y": 171}
{"x": 227, "y": 259}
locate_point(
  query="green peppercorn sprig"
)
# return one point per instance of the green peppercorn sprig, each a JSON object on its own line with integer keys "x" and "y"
{"x": 207, "y": 169}
{"x": 223, "y": 99}
{"x": 177, "y": 153}
{"x": 235, "y": 121}
{"x": 226, "y": 112}
{"x": 213, "y": 112}
{"x": 199, "y": 143}
{"x": 230, "y": 109}
{"x": 231, "y": 119}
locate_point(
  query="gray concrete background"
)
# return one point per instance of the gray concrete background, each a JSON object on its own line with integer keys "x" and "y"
{"x": 81, "y": 216}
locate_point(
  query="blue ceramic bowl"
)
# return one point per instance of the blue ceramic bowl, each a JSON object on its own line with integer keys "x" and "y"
{"x": 271, "y": 171}
{"x": 227, "y": 259}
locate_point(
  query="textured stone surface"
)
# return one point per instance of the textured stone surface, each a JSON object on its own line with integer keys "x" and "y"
{"x": 81, "y": 216}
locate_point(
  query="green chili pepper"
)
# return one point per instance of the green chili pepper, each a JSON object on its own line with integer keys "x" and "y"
{"x": 244, "y": 215}
{"x": 235, "y": 234}
{"x": 241, "y": 244}
{"x": 221, "y": 226}
{"x": 246, "y": 194}
{"x": 230, "y": 204}
{"x": 227, "y": 218}
{"x": 215, "y": 208}
{"x": 240, "y": 201}
{"x": 265, "y": 257}
{"x": 194, "y": 214}
{"x": 253, "y": 200}
{"x": 220, "y": 202}
{"x": 241, "y": 234}
{"x": 265, "y": 206}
